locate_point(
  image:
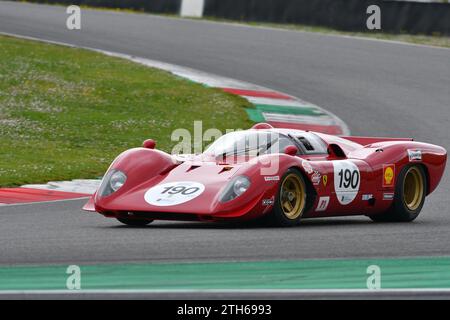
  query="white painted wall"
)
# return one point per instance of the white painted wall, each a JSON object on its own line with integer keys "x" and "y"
{"x": 192, "y": 8}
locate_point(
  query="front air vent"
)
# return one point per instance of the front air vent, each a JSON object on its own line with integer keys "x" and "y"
{"x": 191, "y": 168}
{"x": 225, "y": 169}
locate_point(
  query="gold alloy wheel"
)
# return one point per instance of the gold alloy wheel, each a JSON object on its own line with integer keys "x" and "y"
{"x": 293, "y": 196}
{"x": 413, "y": 188}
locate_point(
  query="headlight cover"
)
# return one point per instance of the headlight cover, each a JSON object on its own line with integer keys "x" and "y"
{"x": 236, "y": 187}
{"x": 112, "y": 181}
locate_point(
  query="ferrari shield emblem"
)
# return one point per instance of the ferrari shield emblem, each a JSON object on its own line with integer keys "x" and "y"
{"x": 325, "y": 180}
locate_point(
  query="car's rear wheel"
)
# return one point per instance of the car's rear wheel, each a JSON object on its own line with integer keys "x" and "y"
{"x": 135, "y": 222}
{"x": 291, "y": 199}
{"x": 410, "y": 192}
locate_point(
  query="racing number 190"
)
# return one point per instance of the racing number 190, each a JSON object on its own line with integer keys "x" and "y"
{"x": 348, "y": 178}
{"x": 180, "y": 189}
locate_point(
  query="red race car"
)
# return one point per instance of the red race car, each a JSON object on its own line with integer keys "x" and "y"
{"x": 283, "y": 175}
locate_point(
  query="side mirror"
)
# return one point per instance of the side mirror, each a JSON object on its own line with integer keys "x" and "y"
{"x": 336, "y": 151}
{"x": 291, "y": 150}
{"x": 149, "y": 144}
{"x": 262, "y": 125}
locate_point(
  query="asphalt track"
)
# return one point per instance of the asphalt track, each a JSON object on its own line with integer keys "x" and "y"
{"x": 378, "y": 88}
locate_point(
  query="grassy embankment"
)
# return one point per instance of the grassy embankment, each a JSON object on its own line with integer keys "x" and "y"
{"x": 66, "y": 113}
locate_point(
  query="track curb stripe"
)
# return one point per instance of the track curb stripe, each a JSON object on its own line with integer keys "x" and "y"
{"x": 258, "y": 93}
{"x": 333, "y": 130}
{"x": 27, "y": 195}
{"x": 300, "y": 110}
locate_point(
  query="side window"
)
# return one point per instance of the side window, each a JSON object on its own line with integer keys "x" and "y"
{"x": 284, "y": 142}
{"x": 305, "y": 143}
{"x": 312, "y": 144}
{"x": 281, "y": 144}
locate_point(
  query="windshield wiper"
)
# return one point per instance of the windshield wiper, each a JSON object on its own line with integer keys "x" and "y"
{"x": 237, "y": 152}
{"x": 266, "y": 147}
{"x": 246, "y": 150}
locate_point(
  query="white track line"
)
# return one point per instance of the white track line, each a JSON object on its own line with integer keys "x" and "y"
{"x": 278, "y": 102}
{"x": 84, "y": 186}
{"x": 301, "y": 119}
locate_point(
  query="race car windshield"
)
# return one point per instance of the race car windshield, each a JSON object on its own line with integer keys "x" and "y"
{"x": 249, "y": 143}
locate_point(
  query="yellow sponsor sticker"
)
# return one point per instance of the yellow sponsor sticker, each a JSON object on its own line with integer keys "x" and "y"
{"x": 388, "y": 175}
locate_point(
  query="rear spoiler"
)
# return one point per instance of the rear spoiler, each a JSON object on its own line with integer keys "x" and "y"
{"x": 369, "y": 140}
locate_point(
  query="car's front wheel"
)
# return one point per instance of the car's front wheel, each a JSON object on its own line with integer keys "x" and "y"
{"x": 135, "y": 222}
{"x": 291, "y": 199}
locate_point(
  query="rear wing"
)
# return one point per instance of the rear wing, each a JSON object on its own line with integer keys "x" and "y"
{"x": 369, "y": 140}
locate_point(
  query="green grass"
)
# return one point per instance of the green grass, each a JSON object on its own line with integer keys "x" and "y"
{"x": 66, "y": 113}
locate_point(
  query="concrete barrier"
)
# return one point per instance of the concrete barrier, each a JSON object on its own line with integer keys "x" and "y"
{"x": 192, "y": 8}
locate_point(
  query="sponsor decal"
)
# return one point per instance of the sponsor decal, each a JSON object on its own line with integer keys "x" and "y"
{"x": 346, "y": 198}
{"x": 388, "y": 196}
{"x": 388, "y": 175}
{"x": 414, "y": 155}
{"x": 325, "y": 180}
{"x": 268, "y": 202}
{"x": 347, "y": 180}
{"x": 307, "y": 166}
{"x": 173, "y": 193}
{"x": 316, "y": 178}
{"x": 367, "y": 197}
{"x": 272, "y": 178}
{"x": 323, "y": 204}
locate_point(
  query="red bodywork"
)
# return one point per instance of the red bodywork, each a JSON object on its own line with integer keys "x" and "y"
{"x": 378, "y": 160}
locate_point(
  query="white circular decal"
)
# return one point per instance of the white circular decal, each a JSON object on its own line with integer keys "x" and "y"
{"x": 173, "y": 193}
{"x": 347, "y": 179}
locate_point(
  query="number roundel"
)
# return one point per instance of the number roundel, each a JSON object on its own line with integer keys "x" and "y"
{"x": 347, "y": 179}
{"x": 173, "y": 193}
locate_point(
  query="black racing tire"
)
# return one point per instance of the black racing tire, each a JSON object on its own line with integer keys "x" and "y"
{"x": 409, "y": 198}
{"x": 134, "y": 222}
{"x": 291, "y": 194}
